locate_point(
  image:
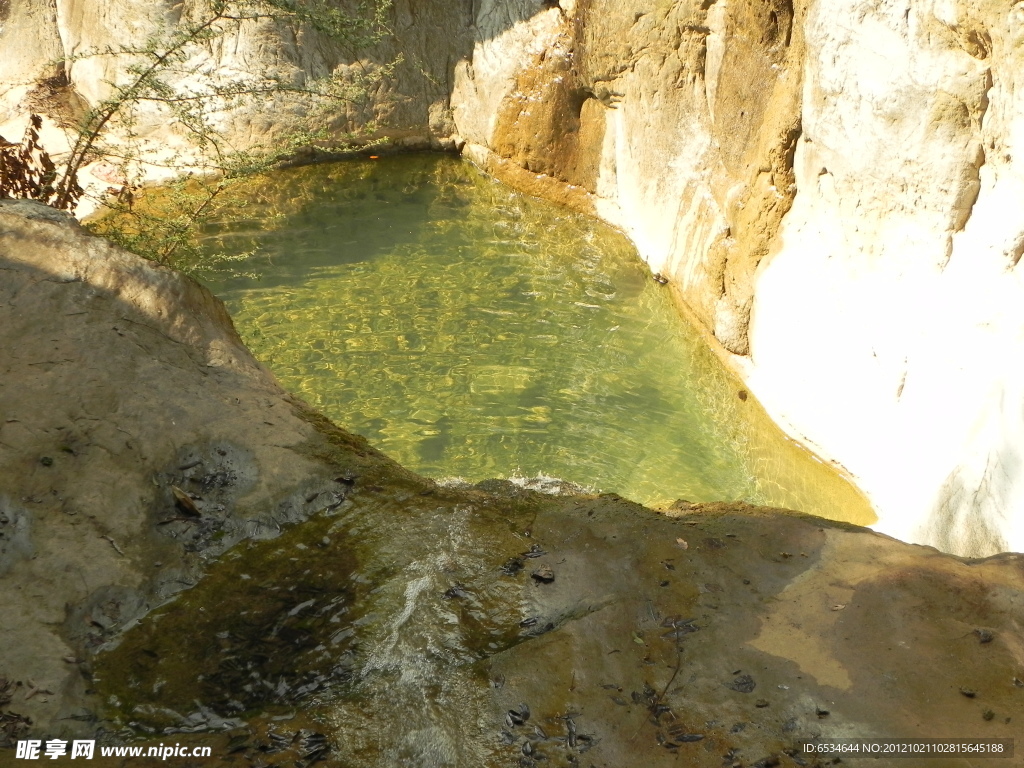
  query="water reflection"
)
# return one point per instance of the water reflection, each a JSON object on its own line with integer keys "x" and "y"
{"x": 468, "y": 330}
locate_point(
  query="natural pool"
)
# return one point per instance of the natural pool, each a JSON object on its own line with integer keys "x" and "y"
{"x": 471, "y": 331}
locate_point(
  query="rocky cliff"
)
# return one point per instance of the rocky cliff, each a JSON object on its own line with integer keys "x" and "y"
{"x": 63, "y": 56}
{"x": 832, "y": 189}
{"x": 189, "y": 555}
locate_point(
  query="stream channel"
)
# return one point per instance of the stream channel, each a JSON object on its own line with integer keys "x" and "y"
{"x": 470, "y": 331}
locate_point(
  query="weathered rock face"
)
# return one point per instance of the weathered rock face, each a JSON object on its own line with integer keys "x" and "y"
{"x": 122, "y": 381}
{"x": 833, "y": 190}
{"x": 902, "y": 250}
{"x": 34, "y": 28}
{"x": 680, "y": 119}
{"x": 410, "y": 105}
{"x": 188, "y": 554}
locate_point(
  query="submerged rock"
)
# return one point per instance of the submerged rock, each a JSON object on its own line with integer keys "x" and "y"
{"x": 326, "y": 605}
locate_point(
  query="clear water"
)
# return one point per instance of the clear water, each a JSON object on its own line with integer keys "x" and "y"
{"x": 470, "y": 331}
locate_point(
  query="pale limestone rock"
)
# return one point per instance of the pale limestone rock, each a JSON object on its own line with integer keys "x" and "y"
{"x": 427, "y": 42}
{"x": 844, "y": 175}
{"x": 509, "y": 35}
{"x": 887, "y": 327}
{"x": 30, "y": 44}
{"x": 700, "y": 190}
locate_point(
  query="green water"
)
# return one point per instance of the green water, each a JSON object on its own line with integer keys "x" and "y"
{"x": 470, "y": 331}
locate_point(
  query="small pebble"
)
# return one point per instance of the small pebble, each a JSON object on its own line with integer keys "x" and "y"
{"x": 517, "y": 716}
{"x": 543, "y": 575}
{"x": 743, "y": 684}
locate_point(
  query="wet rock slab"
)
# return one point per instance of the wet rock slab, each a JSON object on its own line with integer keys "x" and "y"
{"x": 308, "y": 601}
{"x": 138, "y": 440}
{"x": 731, "y": 635}
{"x": 766, "y": 630}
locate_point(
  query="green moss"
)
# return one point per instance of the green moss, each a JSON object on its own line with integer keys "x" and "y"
{"x": 264, "y": 627}
{"x": 277, "y": 622}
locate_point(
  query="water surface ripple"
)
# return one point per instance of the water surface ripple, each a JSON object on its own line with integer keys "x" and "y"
{"x": 469, "y": 330}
